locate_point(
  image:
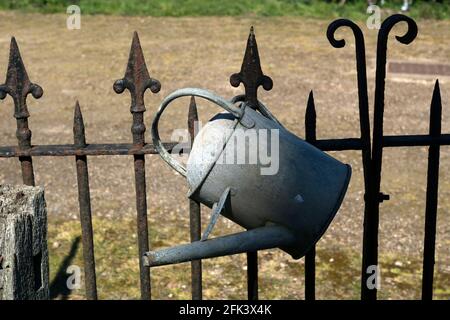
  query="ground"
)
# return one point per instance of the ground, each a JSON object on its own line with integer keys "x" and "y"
{"x": 204, "y": 52}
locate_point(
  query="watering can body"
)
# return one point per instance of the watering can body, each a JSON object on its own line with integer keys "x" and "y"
{"x": 303, "y": 195}
{"x": 287, "y": 203}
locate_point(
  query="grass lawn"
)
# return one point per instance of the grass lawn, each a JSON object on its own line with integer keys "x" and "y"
{"x": 223, "y": 278}
{"x": 354, "y": 9}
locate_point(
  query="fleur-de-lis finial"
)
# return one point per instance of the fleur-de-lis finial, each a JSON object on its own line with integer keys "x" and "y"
{"x": 137, "y": 80}
{"x": 18, "y": 86}
{"x": 251, "y": 74}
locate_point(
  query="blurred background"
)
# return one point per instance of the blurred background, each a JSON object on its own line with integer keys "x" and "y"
{"x": 427, "y": 9}
{"x": 200, "y": 43}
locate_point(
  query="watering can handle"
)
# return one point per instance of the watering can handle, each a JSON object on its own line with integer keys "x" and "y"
{"x": 261, "y": 107}
{"x": 208, "y": 95}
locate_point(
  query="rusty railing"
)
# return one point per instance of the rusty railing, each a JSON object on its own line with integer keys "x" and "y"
{"x": 137, "y": 80}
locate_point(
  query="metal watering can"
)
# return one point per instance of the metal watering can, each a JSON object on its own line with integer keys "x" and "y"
{"x": 289, "y": 208}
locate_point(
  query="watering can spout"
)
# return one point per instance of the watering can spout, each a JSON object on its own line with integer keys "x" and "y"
{"x": 268, "y": 237}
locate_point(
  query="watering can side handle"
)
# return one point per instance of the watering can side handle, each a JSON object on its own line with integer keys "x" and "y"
{"x": 208, "y": 95}
{"x": 216, "y": 210}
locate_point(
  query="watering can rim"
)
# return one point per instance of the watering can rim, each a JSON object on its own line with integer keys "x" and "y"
{"x": 192, "y": 190}
{"x": 238, "y": 112}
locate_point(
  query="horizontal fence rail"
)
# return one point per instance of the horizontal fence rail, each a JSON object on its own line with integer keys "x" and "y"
{"x": 137, "y": 80}
{"x": 64, "y": 150}
{"x": 124, "y": 149}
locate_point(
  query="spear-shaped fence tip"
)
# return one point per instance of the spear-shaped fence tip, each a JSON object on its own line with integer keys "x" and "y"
{"x": 13, "y": 47}
{"x": 436, "y": 102}
{"x": 436, "y": 110}
{"x": 310, "y": 118}
{"x": 77, "y": 108}
{"x": 192, "y": 118}
{"x": 310, "y": 106}
{"x": 79, "y": 137}
{"x": 436, "y": 86}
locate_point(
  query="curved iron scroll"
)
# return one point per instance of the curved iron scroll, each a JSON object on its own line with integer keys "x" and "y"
{"x": 363, "y": 114}
{"x": 362, "y": 85}
{"x": 372, "y": 159}
{"x": 370, "y": 242}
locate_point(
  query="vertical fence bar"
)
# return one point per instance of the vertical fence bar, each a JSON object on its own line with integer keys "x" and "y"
{"x": 137, "y": 80}
{"x": 252, "y": 275}
{"x": 142, "y": 223}
{"x": 84, "y": 200}
{"x": 18, "y": 86}
{"x": 432, "y": 196}
{"x": 26, "y": 164}
{"x": 371, "y": 222}
{"x": 252, "y": 77}
{"x": 310, "y": 257}
{"x": 369, "y": 199}
{"x": 194, "y": 213}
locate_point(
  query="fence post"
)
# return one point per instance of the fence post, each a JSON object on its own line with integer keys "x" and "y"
{"x": 310, "y": 257}
{"x": 194, "y": 213}
{"x": 364, "y": 125}
{"x": 432, "y": 196}
{"x": 371, "y": 220}
{"x": 24, "y": 270}
{"x": 19, "y": 86}
{"x": 251, "y": 76}
{"x": 137, "y": 80}
{"x": 84, "y": 200}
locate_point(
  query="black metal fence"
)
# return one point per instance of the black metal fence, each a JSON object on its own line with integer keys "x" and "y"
{"x": 137, "y": 80}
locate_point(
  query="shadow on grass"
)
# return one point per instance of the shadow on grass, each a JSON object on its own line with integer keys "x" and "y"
{"x": 58, "y": 287}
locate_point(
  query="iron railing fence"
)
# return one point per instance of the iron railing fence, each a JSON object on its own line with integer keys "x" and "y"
{"x": 137, "y": 80}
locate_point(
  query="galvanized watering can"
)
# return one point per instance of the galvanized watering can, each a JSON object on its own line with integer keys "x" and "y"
{"x": 288, "y": 206}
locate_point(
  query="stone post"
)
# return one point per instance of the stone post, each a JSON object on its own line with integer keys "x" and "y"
{"x": 24, "y": 270}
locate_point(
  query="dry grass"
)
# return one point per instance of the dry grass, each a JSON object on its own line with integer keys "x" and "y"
{"x": 203, "y": 52}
